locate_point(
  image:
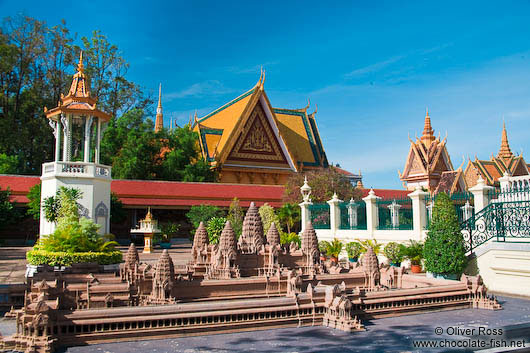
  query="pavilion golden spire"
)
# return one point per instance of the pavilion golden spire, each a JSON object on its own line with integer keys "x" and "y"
{"x": 159, "y": 123}
{"x": 505, "y": 151}
{"x": 428, "y": 132}
{"x": 80, "y": 86}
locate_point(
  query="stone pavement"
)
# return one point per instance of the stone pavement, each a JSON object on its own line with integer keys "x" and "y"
{"x": 13, "y": 259}
{"x": 395, "y": 334}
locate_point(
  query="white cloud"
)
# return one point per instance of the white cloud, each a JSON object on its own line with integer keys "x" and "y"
{"x": 199, "y": 89}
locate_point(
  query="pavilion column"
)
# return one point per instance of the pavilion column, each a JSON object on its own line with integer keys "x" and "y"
{"x": 66, "y": 128}
{"x": 57, "y": 132}
{"x": 98, "y": 141}
{"x": 88, "y": 129}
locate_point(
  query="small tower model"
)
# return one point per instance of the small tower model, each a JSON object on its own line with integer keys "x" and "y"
{"x": 76, "y": 162}
{"x": 159, "y": 123}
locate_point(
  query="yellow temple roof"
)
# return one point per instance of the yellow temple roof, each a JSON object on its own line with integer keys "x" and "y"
{"x": 219, "y": 129}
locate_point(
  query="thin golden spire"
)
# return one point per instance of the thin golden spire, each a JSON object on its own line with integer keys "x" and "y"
{"x": 159, "y": 123}
{"x": 505, "y": 151}
{"x": 80, "y": 66}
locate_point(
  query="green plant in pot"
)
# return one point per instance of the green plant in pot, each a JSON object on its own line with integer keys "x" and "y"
{"x": 333, "y": 249}
{"x": 369, "y": 243}
{"x": 395, "y": 253}
{"x": 414, "y": 252}
{"x": 323, "y": 248}
{"x": 445, "y": 254}
{"x": 354, "y": 249}
{"x": 168, "y": 231}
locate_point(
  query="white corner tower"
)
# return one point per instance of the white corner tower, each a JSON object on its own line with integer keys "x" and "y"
{"x": 78, "y": 128}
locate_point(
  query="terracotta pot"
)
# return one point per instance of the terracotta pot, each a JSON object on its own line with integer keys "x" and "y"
{"x": 415, "y": 268}
{"x": 322, "y": 258}
{"x": 334, "y": 259}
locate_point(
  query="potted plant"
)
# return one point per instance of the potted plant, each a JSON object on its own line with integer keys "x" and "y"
{"x": 369, "y": 243}
{"x": 322, "y": 247}
{"x": 333, "y": 250}
{"x": 394, "y": 252}
{"x": 354, "y": 249}
{"x": 414, "y": 252}
{"x": 445, "y": 254}
{"x": 168, "y": 231}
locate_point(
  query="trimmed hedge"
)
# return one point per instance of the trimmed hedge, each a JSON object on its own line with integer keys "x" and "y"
{"x": 41, "y": 257}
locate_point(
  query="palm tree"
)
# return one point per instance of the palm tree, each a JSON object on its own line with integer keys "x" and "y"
{"x": 289, "y": 214}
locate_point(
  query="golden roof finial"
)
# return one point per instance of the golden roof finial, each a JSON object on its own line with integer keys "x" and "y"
{"x": 428, "y": 132}
{"x": 160, "y": 95}
{"x": 505, "y": 151}
{"x": 80, "y": 66}
{"x": 149, "y": 216}
{"x": 159, "y": 122}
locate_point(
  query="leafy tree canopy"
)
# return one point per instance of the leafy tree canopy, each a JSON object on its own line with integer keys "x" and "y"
{"x": 323, "y": 182}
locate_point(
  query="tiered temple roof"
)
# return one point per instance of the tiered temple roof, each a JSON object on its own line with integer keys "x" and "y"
{"x": 428, "y": 164}
{"x": 273, "y": 236}
{"x": 494, "y": 168}
{"x": 254, "y": 143}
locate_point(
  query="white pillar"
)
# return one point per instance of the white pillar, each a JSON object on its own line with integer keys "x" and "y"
{"x": 88, "y": 129}
{"x": 334, "y": 213}
{"x": 372, "y": 214}
{"x": 481, "y": 194}
{"x": 305, "y": 213}
{"x": 419, "y": 214}
{"x": 98, "y": 141}
{"x": 66, "y": 128}
{"x": 467, "y": 210}
{"x": 56, "y": 126}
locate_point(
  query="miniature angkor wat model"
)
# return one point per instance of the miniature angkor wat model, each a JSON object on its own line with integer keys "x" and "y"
{"x": 235, "y": 285}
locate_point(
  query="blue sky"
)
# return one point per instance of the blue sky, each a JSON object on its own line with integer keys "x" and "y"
{"x": 372, "y": 67}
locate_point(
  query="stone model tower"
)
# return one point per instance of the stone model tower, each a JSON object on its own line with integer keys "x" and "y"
{"x": 164, "y": 278}
{"x": 310, "y": 245}
{"x": 251, "y": 240}
{"x": 200, "y": 243}
{"x": 78, "y": 128}
{"x": 370, "y": 266}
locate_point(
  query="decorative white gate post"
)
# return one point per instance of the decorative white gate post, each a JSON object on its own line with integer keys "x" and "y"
{"x": 394, "y": 213}
{"x": 304, "y": 206}
{"x": 352, "y": 214}
{"x": 372, "y": 216}
{"x": 334, "y": 213}
{"x": 467, "y": 210}
{"x": 419, "y": 216}
{"x": 480, "y": 194}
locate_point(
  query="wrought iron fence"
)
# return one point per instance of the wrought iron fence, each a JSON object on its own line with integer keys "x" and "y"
{"x": 497, "y": 220}
{"x": 320, "y": 215}
{"x": 514, "y": 193}
{"x": 395, "y": 214}
{"x": 353, "y": 215}
{"x": 460, "y": 199}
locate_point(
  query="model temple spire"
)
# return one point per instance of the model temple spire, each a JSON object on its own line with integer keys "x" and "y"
{"x": 159, "y": 123}
{"x": 505, "y": 151}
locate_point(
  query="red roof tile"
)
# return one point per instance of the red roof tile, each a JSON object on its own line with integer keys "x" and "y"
{"x": 388, "y": 194}
{"x": 166, "y": 193}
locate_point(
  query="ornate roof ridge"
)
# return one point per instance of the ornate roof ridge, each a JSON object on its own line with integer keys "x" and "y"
{"x": 226, "y": 105}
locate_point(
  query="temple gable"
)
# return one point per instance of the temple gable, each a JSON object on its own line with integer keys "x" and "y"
{"x": 257, "y": 142}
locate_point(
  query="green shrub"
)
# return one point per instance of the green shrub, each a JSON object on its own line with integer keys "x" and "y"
{"x": 394, "y": 252}
{"x": 268, "y": 216}
{"x": 169, "y": 230}
{"x": 444, "y": 247}
{"x": 34, "y": 201}
{"x": 354, "y": 249}
{"x": 61, "y": 258}
{"x": 202, "y": 213}
{"x": 289, "y": 214}
{"x": 214, "y": 228}
{"x": 236, "y": 216}
{"x": 288, "y": 238}
{"x": 414, "y": 252}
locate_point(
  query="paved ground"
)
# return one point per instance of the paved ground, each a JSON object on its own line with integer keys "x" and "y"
{"x": 384, "y": 335}
{"x": 13, "y": 260}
